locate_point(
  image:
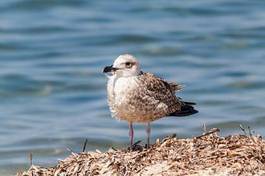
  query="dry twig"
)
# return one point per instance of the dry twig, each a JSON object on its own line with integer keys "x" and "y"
{"x": 207, "y": 154}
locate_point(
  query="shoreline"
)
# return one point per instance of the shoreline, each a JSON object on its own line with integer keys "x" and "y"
{"x": 207, "y": 154}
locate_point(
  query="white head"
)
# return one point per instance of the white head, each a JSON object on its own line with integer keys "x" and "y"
{"x": 125, "y": 65}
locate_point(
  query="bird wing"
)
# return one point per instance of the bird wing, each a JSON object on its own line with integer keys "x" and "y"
{"x": 159, "y": 93}
{"x": 175, "y": 87}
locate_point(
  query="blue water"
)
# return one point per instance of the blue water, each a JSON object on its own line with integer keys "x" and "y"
{"x": 52, "y": 53}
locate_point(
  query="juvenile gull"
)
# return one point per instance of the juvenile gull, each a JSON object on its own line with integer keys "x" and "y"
{"x": 138, "y": 97}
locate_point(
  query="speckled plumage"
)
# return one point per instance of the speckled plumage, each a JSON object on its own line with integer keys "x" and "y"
{"x": 142, "y": 98}
{"x": 135, "y": 96}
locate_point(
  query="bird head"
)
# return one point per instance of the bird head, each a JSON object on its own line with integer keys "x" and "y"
{"x": 125, "y": 65}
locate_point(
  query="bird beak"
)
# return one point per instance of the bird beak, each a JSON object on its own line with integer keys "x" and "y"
{"x": 108, "y": 69}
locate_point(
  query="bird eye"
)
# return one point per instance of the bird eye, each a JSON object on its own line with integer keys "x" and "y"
{"x": 128, "y": 64}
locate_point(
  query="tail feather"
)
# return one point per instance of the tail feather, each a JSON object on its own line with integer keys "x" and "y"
{"x": 189, "y": 103}
{"x": 186, "y": 109}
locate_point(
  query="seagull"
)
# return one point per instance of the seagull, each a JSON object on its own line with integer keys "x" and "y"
{"x": 138, "y": 97}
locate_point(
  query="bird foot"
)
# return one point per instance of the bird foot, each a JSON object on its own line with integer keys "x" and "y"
{"x": 147, "y": 146}
{"x": 136, "y": 146}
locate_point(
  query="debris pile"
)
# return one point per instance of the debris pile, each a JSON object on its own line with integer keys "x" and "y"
{"x": 208, "y": 154}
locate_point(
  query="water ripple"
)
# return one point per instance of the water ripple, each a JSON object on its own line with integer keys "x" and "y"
{"x": 52, "y": 53}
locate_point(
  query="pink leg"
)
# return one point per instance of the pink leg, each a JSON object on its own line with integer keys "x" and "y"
{"x": 148, "y": 131}
{"x": 131, "y": 133}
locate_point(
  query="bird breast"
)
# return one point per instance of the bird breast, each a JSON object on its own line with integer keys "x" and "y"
{"x": 119, "y": 92}
{"x": 120, "y": 88}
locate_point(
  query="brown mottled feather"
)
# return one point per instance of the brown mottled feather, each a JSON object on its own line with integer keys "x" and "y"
{"x": 154, "y": 98}
{"x": 175, "y": 87}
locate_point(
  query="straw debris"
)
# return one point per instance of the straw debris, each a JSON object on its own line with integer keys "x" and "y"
{"x": 208, "y": 154}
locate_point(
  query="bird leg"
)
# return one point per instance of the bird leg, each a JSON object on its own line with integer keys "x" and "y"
{"x": 148, "y": 131}
{"x": 131, "y": 134}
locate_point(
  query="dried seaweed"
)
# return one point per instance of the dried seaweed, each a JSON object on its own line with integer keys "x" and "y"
{"x": 208, "y": 154}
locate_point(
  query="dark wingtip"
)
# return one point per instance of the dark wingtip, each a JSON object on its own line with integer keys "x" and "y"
{"x": 195, "y": 111}
{"x": 186, "y": 110}
{"x": 189, "y": 103}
